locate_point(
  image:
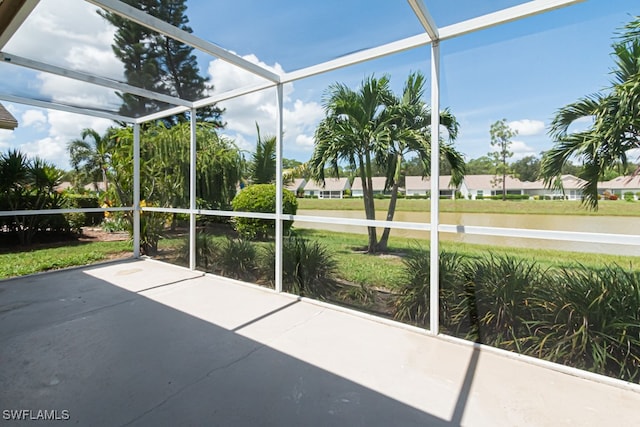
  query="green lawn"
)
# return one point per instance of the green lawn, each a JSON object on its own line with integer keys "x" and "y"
{"x": 386, "y": 270}
{"x": 37, "y": 260}
{"x": 542, "y": 207}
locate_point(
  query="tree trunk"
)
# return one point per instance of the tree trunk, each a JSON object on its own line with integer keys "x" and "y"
{"x": 369, "y": 208}
{"x": 384, "y": 240}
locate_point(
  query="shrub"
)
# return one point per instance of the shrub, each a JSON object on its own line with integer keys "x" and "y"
{"x": 261, "y": 198}
{"x": 628, "y": 196}
{"x": 308, "y": 268}
{"x": 413, "y": 299}
{"x": 591, "y": 320}
{"x": 498, "y": 290}
{"x": 86, "y": 201}
{"x": 206, "y": 251}
{"x": 236, "y": 258}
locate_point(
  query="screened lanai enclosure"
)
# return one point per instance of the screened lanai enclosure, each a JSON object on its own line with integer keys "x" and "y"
{"x": 418, "y": 314}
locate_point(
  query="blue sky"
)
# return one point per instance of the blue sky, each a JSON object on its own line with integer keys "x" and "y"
{"x": 522, "y": 71}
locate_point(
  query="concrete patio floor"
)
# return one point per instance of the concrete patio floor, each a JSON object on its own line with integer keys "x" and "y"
{"x": 144, "y": 343}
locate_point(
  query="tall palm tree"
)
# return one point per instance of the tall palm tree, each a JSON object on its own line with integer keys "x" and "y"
{"x": 354, "y": 131}
{"x": 90, "y": 156}
{"x": 616, "y": 122}
{"x": 410, "y": 121}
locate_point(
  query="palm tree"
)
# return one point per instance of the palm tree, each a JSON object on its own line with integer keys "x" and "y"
{"x": 263, "y": 165}
{"x": 354, "y": 131}
{"x": 90, "y": 156}
{"x": 410, "y": 121}
{"x": 616, "y": 122}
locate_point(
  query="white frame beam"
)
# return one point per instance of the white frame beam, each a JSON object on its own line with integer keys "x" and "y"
{"x": 192, "y": 190}
{"x": 136, "y": 190}
{"x": 503, "y": 16}
{"x": 279, "y": 186}
{"x": 91, "y": 78}
{"x": 434, "y": 251}
{"x": 67, "y": 108}
{"x": 162, "y": 27}
{"x": 421, "y": 11}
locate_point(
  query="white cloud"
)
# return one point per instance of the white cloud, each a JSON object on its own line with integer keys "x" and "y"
{"x": 35, "y": 118}
{"x": 6, "y": 136}
{"x": 77, "y": 93}
{"x": 74, "y": 36}
{"x": 61, "y": 128}
{"x": 242, "y": 113}
{"x": 521, "y": 150}
{"x": 527, "y": 127}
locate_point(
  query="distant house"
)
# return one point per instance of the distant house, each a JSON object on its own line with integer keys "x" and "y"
{"x": 333, "y": 188}
{"x": 571, "y": 188}
{"x": 621, "y": 185}
{"x": 296, "y": 186}
{"x": 377, "y": 184}
{"x": 479, "y": 186}
{"x": 7, "y": 121}
{"x": 419, "y": 186}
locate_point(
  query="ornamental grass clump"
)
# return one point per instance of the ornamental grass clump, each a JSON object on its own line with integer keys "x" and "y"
{"x": 413, "y": 299}
{"x": 236, "y": 258}
{"x": 590, "y": 319}
{"x": 308, "y": 268}
{"x": 497, "y": 300}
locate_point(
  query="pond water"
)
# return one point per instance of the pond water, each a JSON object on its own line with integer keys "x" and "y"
{"x": 579, "y": 223}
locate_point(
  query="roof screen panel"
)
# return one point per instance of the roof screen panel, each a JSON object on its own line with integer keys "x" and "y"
{"x": 301, "y": 34}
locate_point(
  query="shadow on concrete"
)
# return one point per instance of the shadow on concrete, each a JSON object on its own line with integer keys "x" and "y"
{"x": 70, "y": 341}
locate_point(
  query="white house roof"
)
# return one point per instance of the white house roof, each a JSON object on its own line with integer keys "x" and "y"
{"x": 7, "y": 121}
{"x": 296, "y": 185}
{"x": 330, "y": 184}
{"x": 480, "y": 182}
{"x": 376, "y": 181}
{"x": 621, "y": 183}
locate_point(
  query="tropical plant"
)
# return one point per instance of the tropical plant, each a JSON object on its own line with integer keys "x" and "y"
{"x": 590, "y": 319}
{"x": 615, "y": 128}
{"x": 236, "y": 258}
{"x": 354, "y": 131}
{"x": 90, "y": 157}
{"x": 165, "y": 169}
{"x": 29, "y": 184}
{"x": 263, "y": 161}
{"x": 261, "y": 198}
{"x": 414, "y": 295}
{"x": 370, "y": 128}
{"x": 497, "y": 300}
{"x": 308, "y": 268}
{"x": 207, "y": 250}
{"x": 410, "y": 121}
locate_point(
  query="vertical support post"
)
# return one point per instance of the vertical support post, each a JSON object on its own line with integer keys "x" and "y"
{"x": 279, "y": 184}
{"x": 192, "y": 192}
{"x": 434, "y": 283}
{"x": 136, "y": 190}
